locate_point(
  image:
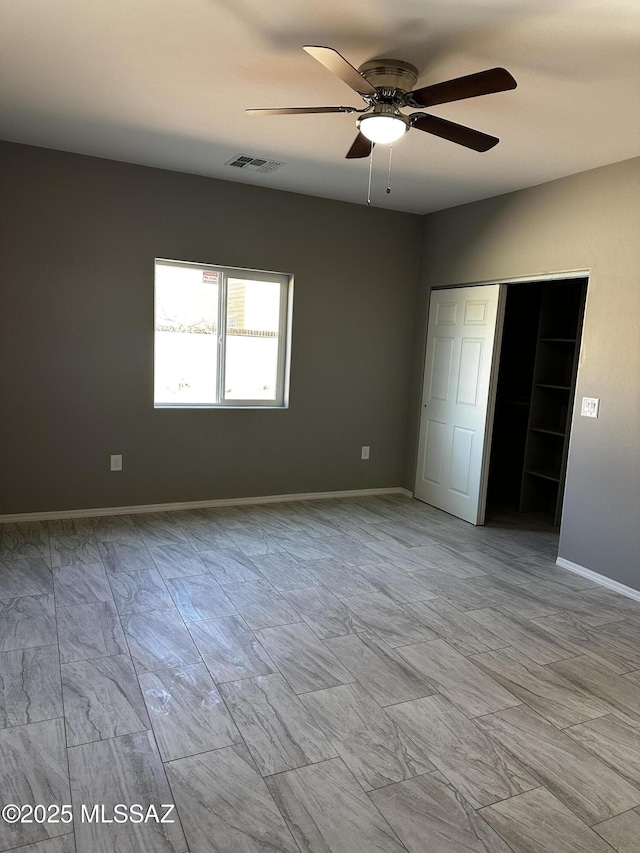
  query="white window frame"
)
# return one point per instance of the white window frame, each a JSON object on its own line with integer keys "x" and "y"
{"x": 285, "y": 280}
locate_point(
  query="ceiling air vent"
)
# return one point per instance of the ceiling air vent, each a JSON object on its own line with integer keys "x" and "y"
{"x": 253, "y": 164}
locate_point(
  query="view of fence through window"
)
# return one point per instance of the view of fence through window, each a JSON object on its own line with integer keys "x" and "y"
{"x": 187, "y": 350}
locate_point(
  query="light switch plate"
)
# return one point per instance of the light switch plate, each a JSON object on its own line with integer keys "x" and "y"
{"x": 590, "y": 406}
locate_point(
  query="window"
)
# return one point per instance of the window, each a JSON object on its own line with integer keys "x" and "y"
{"x": 221, "y": 335}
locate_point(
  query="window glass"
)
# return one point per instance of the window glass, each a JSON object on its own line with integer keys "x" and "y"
{"x": 220, "y": 335}
{"x": 251, "y": 357}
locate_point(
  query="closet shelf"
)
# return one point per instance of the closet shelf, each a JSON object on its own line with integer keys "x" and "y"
{"x": 545, "y": 474}
{"x": 546, "y": 431}
{"x": 554, "y": 375}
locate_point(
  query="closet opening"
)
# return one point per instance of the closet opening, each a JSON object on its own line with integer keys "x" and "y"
{"x": 534, "y": 402}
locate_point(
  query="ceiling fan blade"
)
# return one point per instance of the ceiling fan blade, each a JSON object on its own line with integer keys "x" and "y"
{"x": 361, "y": 147}
{"x": 292, "y": 111}
{"x": 455, "y": 132}
{"x": 337, "y": 64}
{"x": 471, "y": 86}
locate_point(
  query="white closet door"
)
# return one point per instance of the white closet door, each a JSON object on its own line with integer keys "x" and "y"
{"x": 463, "y": 341}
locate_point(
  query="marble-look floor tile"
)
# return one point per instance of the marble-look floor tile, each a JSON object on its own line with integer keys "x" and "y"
{"x": 73, "y": 550}
{"x": 227, "y": 516}
{"x": 479, "y": 768}
{"x": 587, "y": 610}
{"x": 101, "y": 699}
{"x": 529, "y": 637}
{"x": 621, "y": 639}
{"x": 388, "y": 620}
{"x": 158, "y": 528}
{"x": 81, "y": 584}
{"x": 408, "y": 532}
{"x": 526, "y": 600}
{"x": 89, "y": 631}
{"x": 372, "y": 746}
{"x": 358, "y": 530}
{"x": 544, "y": 569}
{"x": 633, "y": 676}
{"x": 27, "y": 622}
{"x": 280, "y": 732}
{"x": 252, "y": 541}
{"x": 302, "y": 658}
{"x": 619, "y": 694}
{"x": 33, "y": 769}
{"x": 339, "y": 578}
{"x": 326, "y": 615}
{"x": 455, "y": 564}
{"x": 621, "y": 832}
{"x": 197, "y": 519}
{"x": 463, "y": 594}
{"x": 549, "y": 694}
{"x": 613, "y": 602}
{"x": 60, "y": 844}
{"x": 397, "y": 584}
{"x": 29, "y": 686}
{"x": 398, "y": 555}
{"x": 493, "y": 562}
{"x": 260, "y": 604}
{"x": 187, "y": 713}
{"x": 349, "y": 550}
{"x": 612, "y": 741}
{"x": 536, "y": 822}
{"x": 159, "y": 639}
{"x": 60, "y": 527}
{"x": 384, "y": 673}
{"x": 284, "y": 571}
{"x": 456, "y": 627}
{"x": 138, "y": 592}
{"x": 115, "y": 528}
{"x": 303, "y": 547}
{"x": 108, "y": 528}
{"x": 27, "y": 576}
{"x": 428, "y": 810}
{"x": 125, "y": 770}
{"x": 128, "y": 556}
{"x": 229, "y": 649}
{"x": 24, "y": 540}
{"x": 579, "y": 780}
{"x": 615, "y": 644}
{"x": 465, "y": 684}
{"x": 200, "y": 597}
{"x": 177, "y": 560}
{"x": 229, "y": 566}
{"x": 225, "y": 804}
{"x": 207, "y": 539}
{"x": 326, "y": 810}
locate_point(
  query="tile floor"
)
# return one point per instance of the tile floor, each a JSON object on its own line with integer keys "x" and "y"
{"x": 335, "y": 676}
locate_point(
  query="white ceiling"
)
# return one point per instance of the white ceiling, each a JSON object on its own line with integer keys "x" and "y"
{"x": 166, "y": 82}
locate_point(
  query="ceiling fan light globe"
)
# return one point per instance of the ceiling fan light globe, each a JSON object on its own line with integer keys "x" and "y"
{"x": 382, "y": 129}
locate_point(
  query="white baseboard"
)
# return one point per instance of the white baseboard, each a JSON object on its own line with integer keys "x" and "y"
{"x": 172, "y": 507}
{"x": 603, "y": 580}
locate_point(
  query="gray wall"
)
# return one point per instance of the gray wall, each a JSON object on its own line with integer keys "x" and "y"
{"x": 78, "y": 239}
{"x": 586, "y": 221}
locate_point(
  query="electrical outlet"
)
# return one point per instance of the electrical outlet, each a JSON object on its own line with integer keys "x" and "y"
{"x": 364, "y": 453}
{"x": 116, "y": 462}
{"x": 590, "y": 406}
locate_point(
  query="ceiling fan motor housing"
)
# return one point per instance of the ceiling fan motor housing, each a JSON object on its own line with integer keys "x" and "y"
{"x": 390, "y": 75}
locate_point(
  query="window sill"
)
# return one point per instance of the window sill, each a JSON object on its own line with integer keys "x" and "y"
{"x": 221, "y": 408}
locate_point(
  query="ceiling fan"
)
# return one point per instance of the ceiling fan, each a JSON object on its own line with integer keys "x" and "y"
{"x": 386, "y": 87}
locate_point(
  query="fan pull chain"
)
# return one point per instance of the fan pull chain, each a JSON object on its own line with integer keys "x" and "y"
{"x": 370, "y": 169}
{"x": 389, "y": 175}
